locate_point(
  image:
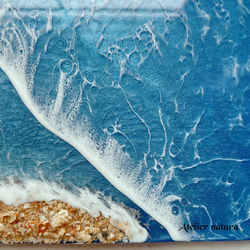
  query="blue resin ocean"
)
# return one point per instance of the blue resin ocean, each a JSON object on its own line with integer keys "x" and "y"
{"x": 132, "y": 108}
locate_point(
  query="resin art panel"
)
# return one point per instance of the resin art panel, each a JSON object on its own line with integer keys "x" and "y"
{"x": 124, "y": 121}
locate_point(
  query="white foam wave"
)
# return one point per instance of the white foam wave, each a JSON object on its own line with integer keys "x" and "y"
{"x": 33, "y": 190}
{"x": 105, "y": 155}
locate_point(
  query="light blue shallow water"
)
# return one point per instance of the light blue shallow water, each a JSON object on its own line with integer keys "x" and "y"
{"x": 172, "y": 87}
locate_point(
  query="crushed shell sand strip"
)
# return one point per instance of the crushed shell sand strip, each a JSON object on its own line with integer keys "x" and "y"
{"x": 55, "y": 222}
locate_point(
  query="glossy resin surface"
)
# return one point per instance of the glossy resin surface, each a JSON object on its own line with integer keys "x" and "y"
{"x": 139, "y": 106}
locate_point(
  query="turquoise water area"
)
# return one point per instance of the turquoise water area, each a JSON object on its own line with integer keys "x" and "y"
{"x": 146, "y": 103}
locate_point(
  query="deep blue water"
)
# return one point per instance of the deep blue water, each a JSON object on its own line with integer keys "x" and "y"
{"x": 172, "y": 87}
